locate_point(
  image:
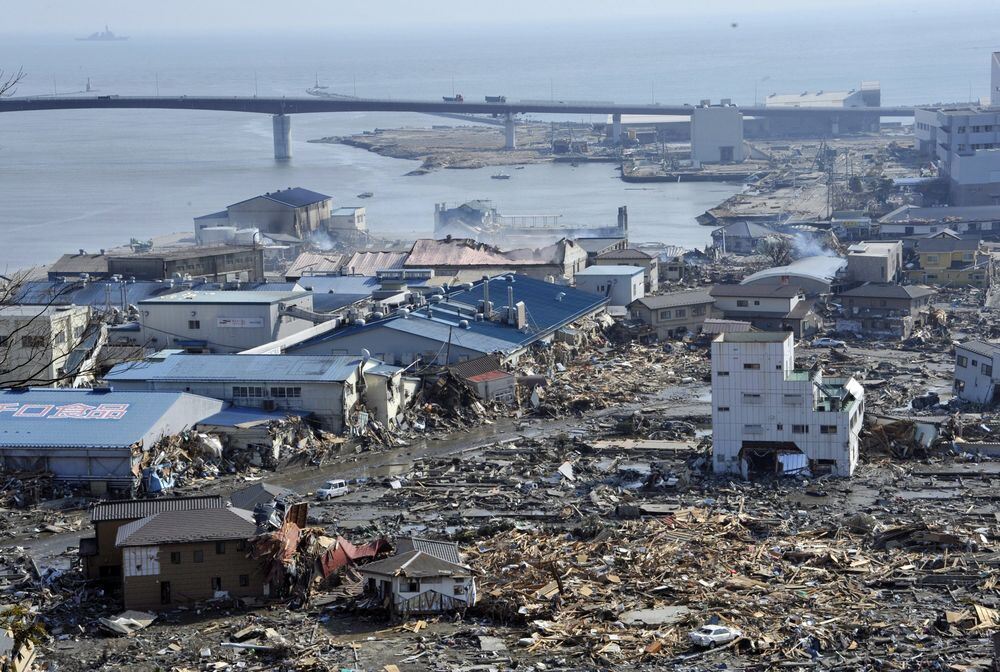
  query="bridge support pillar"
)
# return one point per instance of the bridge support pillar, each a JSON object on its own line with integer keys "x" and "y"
{"x": 616, "y": 129}
{"x": 510, "y": 135}
{"x": 282, "y": 127}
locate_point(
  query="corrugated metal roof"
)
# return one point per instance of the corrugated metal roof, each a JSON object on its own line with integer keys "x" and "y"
{"x": 295, "y": 197}
{"x": 94, "y": 293}
{"x": 367, "y": 263}
{"x": 475, "y": 367}
{"x": 240, "y": 368}
{"x": 414, "y": 564}
{"x": 601, "y": 271}
{"x": 133, "y": 509}
{"x": 889, "y": 291}
{"x": 443, "y": 550}
{"x": 315, "y": 263}
{"x": 627, "y": 253}
{"x": 239, "y": 416}
{"x": 597, "y": 245}
{"x": 185, "y": 527}
{"x": 233, "y": 297}
{"x": 980, "y": 348}
{"x": 79, "y": 417}
{"x": 818, "y": 268}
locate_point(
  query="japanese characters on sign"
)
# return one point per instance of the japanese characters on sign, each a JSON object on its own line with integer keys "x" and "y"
{"x": 75, "y": 411}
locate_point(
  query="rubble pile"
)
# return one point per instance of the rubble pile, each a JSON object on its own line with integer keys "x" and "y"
{"x": 844, "y": 594}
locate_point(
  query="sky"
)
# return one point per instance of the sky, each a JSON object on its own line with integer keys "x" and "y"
{"x": 149, "y": 17}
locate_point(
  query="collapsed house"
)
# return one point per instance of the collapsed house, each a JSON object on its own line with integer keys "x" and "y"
{"x": 883, "y": 310}
{"x": 770, "y": 418}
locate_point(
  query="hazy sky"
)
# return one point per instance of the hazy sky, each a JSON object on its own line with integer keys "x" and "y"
{"x": 228, "y": 16}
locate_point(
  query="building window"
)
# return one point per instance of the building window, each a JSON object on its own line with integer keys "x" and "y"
{"x": 413, "y": 586}
{"x": 722, "y": 373}
{"x": 753, "y": 429}
{"x": 781, "y": 427}
{"x": 247, "y": 392}
{"x": 975, "y": 363}
{"x": 194, "y": 324}
{"x": 756, "y": 302}
{"x": 175, "y": 557}
{"x": 723, "y": 409}
{"x": 241, "y": 545}
{"x": 216, "y": 583}
{"x": 959, "y": 385}
{"x": 220, "y": 548}
{"x": 32, "y": 341}
{"x": 751, "y": 398}
{"x": 286, "y": 392}
{"x": 828, "y": 429}
{"x": 962, "y": 361}
{"x": 742, "y": 303}
{"x": 752, "y": 366}
{"x": 987, "y": 369}
{"x": 244, "y": 580}
{"x": 680, "y": 312}
{"x": 199, "y": 556}
{"x": 698, "y": 311}
{"x": 800, "y": 429}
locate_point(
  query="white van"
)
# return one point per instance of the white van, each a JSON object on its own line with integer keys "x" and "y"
{"x": 331, "y": 489}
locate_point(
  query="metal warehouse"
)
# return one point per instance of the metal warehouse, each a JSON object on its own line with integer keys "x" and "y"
{"x": 94, "y": 436}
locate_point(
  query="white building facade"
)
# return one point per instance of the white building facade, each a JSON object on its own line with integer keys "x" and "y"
{"x": 976, "y": 372}
{"x": 621, "y": 284}
{"x": 717, "y": 135}
{"x": 769, "y": 418}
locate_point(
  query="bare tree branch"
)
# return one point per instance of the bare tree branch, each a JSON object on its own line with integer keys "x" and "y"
{"x": 9, "y": 81}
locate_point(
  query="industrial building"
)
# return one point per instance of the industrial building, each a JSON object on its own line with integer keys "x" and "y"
{"x": 769, "y": 418}
{"x": 965, "y": 144}
{"x": 224, "y": 321}
{"x": 38, "y": 343}
{"x": 330, "y": 389}
{"x": 717, "y": 135}
{"x": 294, "y": 211}
{"x": 742, "y": 237}
{"x": 216, "y": 263}
{"x": 868, "y": 95}
{"x": 621, "y": 284}
{"x": 93, "y": 436}
{"x": 503, "y": 316}
{"x": 814, "y": 275}
{"x": 975, "y": 364}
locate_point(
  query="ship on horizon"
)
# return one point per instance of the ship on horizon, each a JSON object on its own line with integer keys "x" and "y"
{"x": 103, "y": 36}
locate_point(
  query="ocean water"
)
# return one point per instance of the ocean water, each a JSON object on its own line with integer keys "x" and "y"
{"x": 90, "y": 179}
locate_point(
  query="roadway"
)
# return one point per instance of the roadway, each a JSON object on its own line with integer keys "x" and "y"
{"x": 311, "y": 105}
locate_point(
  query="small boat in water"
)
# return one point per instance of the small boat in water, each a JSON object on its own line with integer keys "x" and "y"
{"x": 365, "y": 194}
{"x": 500, "y": 176}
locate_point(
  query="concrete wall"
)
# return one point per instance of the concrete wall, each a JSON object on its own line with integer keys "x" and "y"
{"x": 168, "y": 324}
{"x": 190, "y": 581}
{"x": 873, "y": 266}
{"x": 622, "y": 289}
{"x": 37, "y": 341}
{"x": 273, "y": 217}
{"x": 976, "y": 376}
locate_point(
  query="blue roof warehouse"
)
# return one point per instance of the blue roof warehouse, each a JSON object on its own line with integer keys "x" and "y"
{"x": 94, "y": 436}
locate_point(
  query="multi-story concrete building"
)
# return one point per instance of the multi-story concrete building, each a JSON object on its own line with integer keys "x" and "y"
{"x": 224, "y": 321}
{"x": 36, "y": 343}
{"x": 770, "y": 418}
{"x": 977, "y": 372}
{"x": 875, "y": 261}
{"x": 674, "y": 314}
{"x": 224, "y": 263}
{"x": 973, "y": 221}
{"x": 717, "y": 134}
{"x": 349, "y": 219}
{"x": 868, "y": 95}
{"x": 294, "y": 211}
{"x": 965, "y": 143}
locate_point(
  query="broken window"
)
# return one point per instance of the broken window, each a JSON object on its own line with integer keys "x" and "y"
{"x": 413, "y": 586}
{"x": 962, "y": 361}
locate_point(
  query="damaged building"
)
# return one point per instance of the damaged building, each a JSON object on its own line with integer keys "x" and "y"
{"x": 423, "y": 577}
{"x": 768, "y": 307}
{"x": 770, "y": 418}
{"x": 327, "y": 388}
{"x": 883, "y": 310}
{"x": 975, "y": 380}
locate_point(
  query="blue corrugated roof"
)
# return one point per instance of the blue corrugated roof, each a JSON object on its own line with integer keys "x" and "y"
{"x": 333, "y": 292}
{"x": 95, "y": 293}
{"x": 547, "y": 306}
{"x": 238, "y": 415}
{"x": 226, "y": 296}
{"x": 80, "y": 418}
{"x": 249, "y": 368}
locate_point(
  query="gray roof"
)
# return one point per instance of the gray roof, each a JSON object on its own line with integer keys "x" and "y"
{"x": 947, "y": 245}
{"x": 133, "y": 509}
{"x": 185, "y": 527}
{"x": 258, "y": 493}
{"x": 686, "y": 298}
{"x": 980, "y": 347}
{"x": 779, "y": 292}
{"x": 885, "y": 290}
{"x": 746, "y": 230}
{"x": 295, "y": 197}
{"x": 627, "y": 253}
{"x": 443, "y": 550}
{"x": 238, "y": 368}
{"x": 414, "y": 564}
{"x": 232, "y": 297}
{"x": 593, "y": 245}
{"x": 820, "y": 268}
{"x": 601, "y": 271}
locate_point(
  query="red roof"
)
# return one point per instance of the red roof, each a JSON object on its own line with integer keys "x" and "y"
{"x": 489, "y": 375}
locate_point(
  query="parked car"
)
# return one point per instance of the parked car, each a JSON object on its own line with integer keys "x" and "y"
{"x": 711, "y": 635}
{"x": 331, "y": 489}
{"x": 828, "y": 343}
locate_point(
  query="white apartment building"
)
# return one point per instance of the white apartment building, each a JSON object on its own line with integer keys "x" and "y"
{"x": 770, "y": 418}
{"x": 965, "y": 143}
{"x": 36, "y": 343}
{"x": 975, "y": 364}
{"x": 717, "y": 134}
